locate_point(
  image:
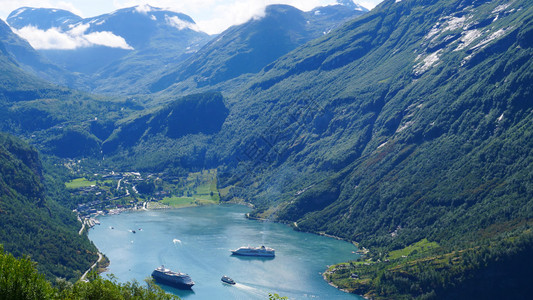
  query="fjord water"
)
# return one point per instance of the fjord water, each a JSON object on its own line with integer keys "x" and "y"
{"x": 197, "y": 240}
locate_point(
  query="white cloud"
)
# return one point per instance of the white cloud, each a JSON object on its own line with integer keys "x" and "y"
{"x": 180, "y": 24}
{"x": 107, "y": 38}
{"x": 54, "y": 38}
{"x": 212, "y": 16}
{"x": 143, "y": 9}
{"x": 49, "y": 39}
{"x": 79, "y": 29}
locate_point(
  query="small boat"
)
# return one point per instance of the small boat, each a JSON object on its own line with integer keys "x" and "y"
{"x": 133, "y": 231}
{"x": 227, "y": 280}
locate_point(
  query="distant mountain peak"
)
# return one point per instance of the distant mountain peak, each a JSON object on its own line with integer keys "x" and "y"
{"x": 42, "y": 18}
{"x": 351, "y": 4}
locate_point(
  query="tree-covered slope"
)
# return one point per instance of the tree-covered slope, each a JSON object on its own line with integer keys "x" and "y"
{"x": 413, "y": 121}
{"x": 12, "y": 78}
{"x": 416, "y": 103}
{"x": 172, "y": 135}
{"x": 56, "y": 119}
{"x": 20, "y": 280}
{"x": 31, "y": 222}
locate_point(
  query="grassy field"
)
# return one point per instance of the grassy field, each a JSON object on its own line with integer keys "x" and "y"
{"x": 418, "y": 247}
{"x": 79, "y": 183}
{"x": 199, "y": 188}
{"x": 178, "y": 201}
{"x": 186, "y": 201}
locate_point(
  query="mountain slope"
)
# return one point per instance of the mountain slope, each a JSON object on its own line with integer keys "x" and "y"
{"x": 410, "y": 122}
{"x": 42, "y": 18}
{"x": 249, "y": 47}
{"x": 397, "y": 81}
{"x": 15, "y": 83}
{"x": 58, "y": 120}
{"x": 24, "y": 56}
{"x": 112, "y": 51}
{"x": 32, "y": 223}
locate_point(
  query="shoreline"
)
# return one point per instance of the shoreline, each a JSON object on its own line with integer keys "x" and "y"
{"x": 247, "y": 215}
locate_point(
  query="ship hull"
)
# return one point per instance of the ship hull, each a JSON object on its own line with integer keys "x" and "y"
{"x": 253, "y": 254}
{"x": 171, "y": 282}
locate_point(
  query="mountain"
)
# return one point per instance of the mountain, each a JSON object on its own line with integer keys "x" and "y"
{"x": 407, "y": 129}
{"x": 32, "y": 222}
{"x": 194, "y": 114}
{"x": 25, "y": 57}
{"x": 58, "y": 120}
{"x": 249, "y": 47}
{"x": 113, "y": 51}
{"x": 410, "y": 122}
{"x": 351, "y": 5}
{"x": 42, "y": 18}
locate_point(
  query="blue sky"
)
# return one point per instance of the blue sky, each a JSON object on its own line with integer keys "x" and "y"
{"x": 212, "y": 16}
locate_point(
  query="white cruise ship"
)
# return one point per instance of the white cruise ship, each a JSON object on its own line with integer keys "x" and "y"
{"x": 253, "y": 251}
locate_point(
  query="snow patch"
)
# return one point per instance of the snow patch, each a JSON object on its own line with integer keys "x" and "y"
{"x": 317, "y": 13}
{"x": 405, "y": 126}
{"x": 484, "y": 43}
{"x": 153, "y": 18}
{"x": 426, "y": 63}
{"x": 382, "y": 145}
{"x": 447, "y": 24}
{"x": 18, "y": 12}
{"x": 501, "y": 8}
{"x": 467, "y": 38}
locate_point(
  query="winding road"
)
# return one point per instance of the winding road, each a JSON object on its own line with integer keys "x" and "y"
{"x": 100, "y": 257}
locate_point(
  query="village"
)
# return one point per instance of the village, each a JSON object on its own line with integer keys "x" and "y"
{"x": 116, "y": 192}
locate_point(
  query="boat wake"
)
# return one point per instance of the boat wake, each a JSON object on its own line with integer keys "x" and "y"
{"x": 249, "y": 289}
{"x": 262, "y": 289}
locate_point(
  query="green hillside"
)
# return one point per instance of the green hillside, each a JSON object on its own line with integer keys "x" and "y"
{"x": 20, "y": 280}
{"x": 408, "y": 130}
{"x": 411, "y": 122}
{"x": 32, "y": 223}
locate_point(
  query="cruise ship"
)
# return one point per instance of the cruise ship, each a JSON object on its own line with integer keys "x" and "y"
{"x": 253, "y": 251}
{"x": 175, "y": 279}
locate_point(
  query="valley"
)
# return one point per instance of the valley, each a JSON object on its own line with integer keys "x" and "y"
{"x": 407, "y": 129}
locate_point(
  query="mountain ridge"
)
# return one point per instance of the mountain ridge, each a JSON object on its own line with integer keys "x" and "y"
{"x": 409, "y": 127}
{"x": 249, "y": 47}
{"x": 111, "y": 51}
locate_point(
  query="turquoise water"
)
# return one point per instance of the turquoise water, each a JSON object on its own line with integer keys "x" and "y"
{"x": 197, "y": 241}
